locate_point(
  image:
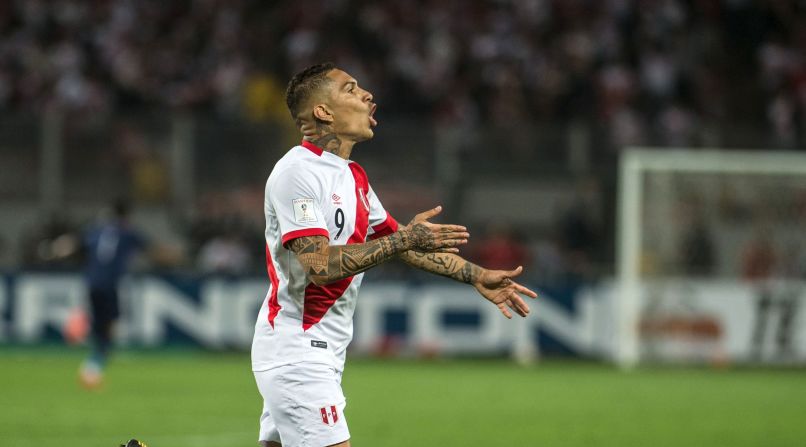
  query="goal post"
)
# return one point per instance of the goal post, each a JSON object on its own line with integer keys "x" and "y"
{"x": 654, "y": 185}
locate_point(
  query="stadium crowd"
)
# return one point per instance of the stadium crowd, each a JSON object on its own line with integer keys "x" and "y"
{"x": 670, "y": 72}
{"x": 728, "y": 73}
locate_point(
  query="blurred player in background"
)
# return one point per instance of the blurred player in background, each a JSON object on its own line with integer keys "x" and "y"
{"x": 324, "y": 227}
{"x": 109, "y": 248}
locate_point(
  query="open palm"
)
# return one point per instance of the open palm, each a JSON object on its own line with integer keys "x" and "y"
{"x": 498, "y": 287}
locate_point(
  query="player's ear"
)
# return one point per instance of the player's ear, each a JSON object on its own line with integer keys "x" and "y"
{"x": 322, "y": 113}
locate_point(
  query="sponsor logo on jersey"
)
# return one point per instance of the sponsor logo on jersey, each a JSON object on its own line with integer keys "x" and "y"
{"x": 303, "y": 211}
{"x": 319, "y": 344}
{"x": 336, "y": 199}
{"x": 329, "y": 416}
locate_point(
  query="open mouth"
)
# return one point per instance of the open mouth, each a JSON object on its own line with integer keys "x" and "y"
{"x": 372, "y": 121}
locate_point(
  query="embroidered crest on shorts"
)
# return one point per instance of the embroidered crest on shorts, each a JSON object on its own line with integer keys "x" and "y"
{"x": 303, "y": 211}
{"x": 329, "y": 415}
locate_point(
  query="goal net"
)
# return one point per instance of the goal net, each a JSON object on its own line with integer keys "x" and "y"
{"x": 711, "y": 257}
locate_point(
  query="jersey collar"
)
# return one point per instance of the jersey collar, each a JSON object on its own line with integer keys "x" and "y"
{"x": 312, "y": 147}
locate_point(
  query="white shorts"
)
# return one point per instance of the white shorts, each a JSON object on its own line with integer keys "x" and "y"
{"x": 303, "y": 405}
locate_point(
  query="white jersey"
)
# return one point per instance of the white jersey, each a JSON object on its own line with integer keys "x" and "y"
{"x": 312, "y": 193}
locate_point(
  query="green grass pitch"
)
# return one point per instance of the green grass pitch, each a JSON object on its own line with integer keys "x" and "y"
{"x": 192, "y": 399}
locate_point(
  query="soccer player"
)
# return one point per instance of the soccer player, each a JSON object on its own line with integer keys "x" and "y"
{"x": 324, "y": 227}
{"x": 109, "y": 248}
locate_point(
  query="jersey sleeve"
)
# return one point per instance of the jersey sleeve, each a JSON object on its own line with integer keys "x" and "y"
{"x": 381, "y": 223}
{"x": 296, "y": 200}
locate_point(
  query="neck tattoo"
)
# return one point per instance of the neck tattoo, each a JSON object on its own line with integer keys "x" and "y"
{"x": 328, "y": 142}
{"x": 326, "y": 139}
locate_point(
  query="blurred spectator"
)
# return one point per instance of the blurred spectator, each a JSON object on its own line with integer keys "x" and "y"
{"x": 53, "y": 245}
{"x": 698, "y": 256}
{"x": 697, "y": 249}
{"x": 501, "y": 249}
{"x": 578, "y": 240}
{"x": 224, "y": 254}
{"x": 578, "y": 234}
{"x": 225, "y": 236}
{"x": 548, "y": 265}
{"x": 758, "y": 257}
{"x": 148, "y": 171}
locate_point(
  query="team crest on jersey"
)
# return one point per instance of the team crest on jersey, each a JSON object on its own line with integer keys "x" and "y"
{"x": 303, "y": 211}
{"x": 363, "y": 196}
{"x": 329, "y": 415}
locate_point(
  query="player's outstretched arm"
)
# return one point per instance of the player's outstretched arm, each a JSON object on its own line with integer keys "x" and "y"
{"x": 445, "y": 264}
{"x": 496, "y": 286}
{"x": 326, "y": 263}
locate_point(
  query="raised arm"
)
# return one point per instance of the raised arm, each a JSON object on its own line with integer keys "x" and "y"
{"x": 496, "y": 286}
{"x": 325, "y": 263}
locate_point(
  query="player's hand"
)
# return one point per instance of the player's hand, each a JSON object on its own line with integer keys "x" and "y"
{"x": 425, "y": 236}
{"x": 498, "y": 287}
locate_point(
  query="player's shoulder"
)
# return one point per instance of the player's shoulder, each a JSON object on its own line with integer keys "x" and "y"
{"x": 296, "y": 154}
{"x": 294, "y": 161}
{"x": 297, "y": 167}
{"x": 303, "y": 158}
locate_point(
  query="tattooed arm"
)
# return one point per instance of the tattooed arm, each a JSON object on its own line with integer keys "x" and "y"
{"x": 444, "y": 264}
{"x": 326, "y": 263}
{"x": 496, "y": 286}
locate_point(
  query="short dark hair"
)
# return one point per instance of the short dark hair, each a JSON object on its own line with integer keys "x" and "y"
{"x": 304, "y": 84}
